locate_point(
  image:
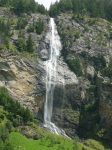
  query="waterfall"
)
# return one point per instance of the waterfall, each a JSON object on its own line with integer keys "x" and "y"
{"x": 55, "y": 46}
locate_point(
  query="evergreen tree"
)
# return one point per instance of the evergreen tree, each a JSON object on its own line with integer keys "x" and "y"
{"x": 8, "y": 146}
{"x": 33, "y": 6}
{"x": 75, "y": 6}
{"x": 41, "y": 9}
{"x": 69, "y": 5}
{"x": 26, "y": 115}
{"x": 21, "y": 44}
{"x": 1, "y": 144}
{"x": 30, "y": 42}
{"x": 40, "y": 26}
{"x": 8, "y": 126}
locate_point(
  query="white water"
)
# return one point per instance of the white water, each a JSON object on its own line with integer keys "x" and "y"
{"x": 55, "y": 46}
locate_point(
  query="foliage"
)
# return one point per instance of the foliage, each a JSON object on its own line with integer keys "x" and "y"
{"x": 107, "y": 71}
{"x": 23, "y": 45}
{"x": 74, "y": 64}
{"x": 41, "y": 9}
{"x": 31, "y": 28}
{"x": 86, "y": 28}
{"x": 89, "y": 46}
{"x": 50, "y": 141}
{"x": 77, "y": 35}
{"x": 4, "y": 29}
{"x": 21, "y": 23}
{"x": 39, "y": 26}
{"x": 30, "y": 42}
{"x": 14, "y": 108}
{"x": 23, "y": 6}
{"x": 101, "y": 9}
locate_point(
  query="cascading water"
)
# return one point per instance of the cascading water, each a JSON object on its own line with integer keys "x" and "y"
{"x": 51, "y": 64}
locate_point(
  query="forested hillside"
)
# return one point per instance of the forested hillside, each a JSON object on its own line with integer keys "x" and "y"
{"x": 94, "y": 8}
{"x": 23, "y": 6}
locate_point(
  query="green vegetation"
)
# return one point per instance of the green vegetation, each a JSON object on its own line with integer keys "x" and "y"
{"x": 107, "y": 71}
{"x": 51, "y": 141}
{"x": 15, "y": 110}
{"x": 30, "y": 48}
{"x": 21, "y": 23}
{"x": 4, "y": 29}
{"x": 74, "y": 64}
{"x": 54, "y": 142}
{"x": 23, "y": 6}
{"x": 86, "y": 28}
{"x": 100, "y": 9}
{"x": 91, "y": 107}
{"x": 39, "y": 26}
{"x": 23, "y": 45}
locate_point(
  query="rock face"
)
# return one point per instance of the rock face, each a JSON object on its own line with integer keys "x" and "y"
{"x": 24, "y": 79}
{"x": 82, "y": 104}
{"x": 91, "y": 97}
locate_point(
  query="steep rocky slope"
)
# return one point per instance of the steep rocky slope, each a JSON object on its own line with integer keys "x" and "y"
{"x": 89, "y": 40}
{"x": 83, "y": 105}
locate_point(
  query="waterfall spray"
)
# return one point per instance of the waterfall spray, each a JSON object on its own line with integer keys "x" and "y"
{"x": 55, "y": 46}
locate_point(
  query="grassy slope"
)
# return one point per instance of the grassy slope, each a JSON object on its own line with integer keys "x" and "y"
{"x": 44, "y": 143}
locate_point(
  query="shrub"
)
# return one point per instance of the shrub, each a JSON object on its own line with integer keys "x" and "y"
{"x": 89, "y": 47}
{"x": 77, "y": 35}
{"x": 21, "y": 23}
{"x": 106, "y": 34}
{"x": 8, "y": 146}
{"x": 92, "y": 88}
{"x": 68, "y": 27}
{"x": 74, "y": 64}
{"x": 8, "y": 125}
{"x": 2, "y": 116}
{"x": 31, "y": 28}
{"x": 86, "y": 28}
{"x": 110, "y": 35}
{"x": 94, "y": 20}
{"x": 91, "y": 107}
{"x": 36, "y": 137}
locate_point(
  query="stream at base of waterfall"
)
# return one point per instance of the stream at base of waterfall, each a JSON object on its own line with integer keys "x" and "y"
{"x": 55, "y": 46}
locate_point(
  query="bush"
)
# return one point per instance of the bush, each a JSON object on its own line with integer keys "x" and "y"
{"x": 74, "y": 64}
{"x": 21, "y": 23}
{"x": 15, "y": 123}
{"x": 8, "y": 126}
{"x": 110, "y": 35}
{"x": 31, "y": 28}
{"x": 2, "y": 116}
{"x": 91, "y": 107}
{"x": 77, "y": 35}
{"x": 106, "y": 34}
{"x": 92, "y": 88}
{"x": 89, "y": 47}
{"x": 36, "y": 137}
{"x": 8, "y": 146}
{"x": 86, "y": 28}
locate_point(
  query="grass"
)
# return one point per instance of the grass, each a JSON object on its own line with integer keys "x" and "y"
{"x": 53, "y": 142}
{"x": 46, "y": 143}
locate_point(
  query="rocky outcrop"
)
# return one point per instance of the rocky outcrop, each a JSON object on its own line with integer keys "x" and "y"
{"x": 24, "y": 79}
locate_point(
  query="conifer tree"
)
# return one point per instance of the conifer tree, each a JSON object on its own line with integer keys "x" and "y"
{"x": 30, "y": 42}
{"x": 26, "y": 115}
